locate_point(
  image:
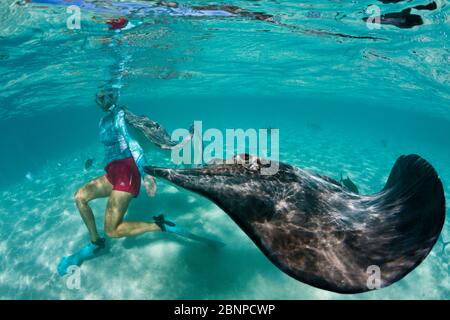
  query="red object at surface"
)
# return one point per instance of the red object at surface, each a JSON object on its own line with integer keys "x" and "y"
{"x": 118, "y": 23}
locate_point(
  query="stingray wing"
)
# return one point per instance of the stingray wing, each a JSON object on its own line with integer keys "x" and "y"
{"x": 329, "y": 238}
{"x": 147, "y": 131}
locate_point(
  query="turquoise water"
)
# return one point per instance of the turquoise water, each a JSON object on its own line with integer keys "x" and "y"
{"x": 341, "y": 104}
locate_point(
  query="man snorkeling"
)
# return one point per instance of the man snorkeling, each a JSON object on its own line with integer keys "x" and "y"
{"x": 122, "y": 181}
{"x": 124, "y": 170}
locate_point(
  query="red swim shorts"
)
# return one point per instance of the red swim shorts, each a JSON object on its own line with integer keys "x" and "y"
{"x": 124, "y": 175}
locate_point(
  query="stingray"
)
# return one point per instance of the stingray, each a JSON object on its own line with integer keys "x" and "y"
{"x": 311, "y": 228}
{"x": 151, "y": 133}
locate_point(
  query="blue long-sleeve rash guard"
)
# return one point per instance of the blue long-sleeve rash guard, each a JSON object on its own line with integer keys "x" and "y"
{"x": 118, "y": 142}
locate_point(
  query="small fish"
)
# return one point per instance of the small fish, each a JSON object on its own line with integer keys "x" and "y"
{"x": 89, "y": 162}
{"x": 384, "y": 143}
{"x": 349, "y": 185}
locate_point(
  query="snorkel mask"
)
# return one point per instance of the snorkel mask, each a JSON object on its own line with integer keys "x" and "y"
{"x": 106, "y": 99}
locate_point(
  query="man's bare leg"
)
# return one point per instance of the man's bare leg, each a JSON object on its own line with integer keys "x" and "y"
{"x": 115, "y": 227}
{"x": 97, "y": 188}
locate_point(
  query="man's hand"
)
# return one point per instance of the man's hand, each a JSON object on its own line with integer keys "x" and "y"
{"x": 150, "y": 185}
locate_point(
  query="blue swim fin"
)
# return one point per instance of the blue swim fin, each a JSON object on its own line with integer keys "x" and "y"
{"x": 171, "y": 227}
{"x": 76, "y": 259}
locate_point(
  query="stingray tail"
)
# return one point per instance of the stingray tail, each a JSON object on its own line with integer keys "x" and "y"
{"x": 416, "y": 195}
{"x": 185, "y": 140}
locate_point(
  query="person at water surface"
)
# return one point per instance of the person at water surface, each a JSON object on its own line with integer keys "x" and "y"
{"x": 122, "y": 180}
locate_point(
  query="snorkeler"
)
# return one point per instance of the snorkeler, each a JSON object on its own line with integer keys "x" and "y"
{"x": 124, "y": 170}
{"x": 122, "y": 181}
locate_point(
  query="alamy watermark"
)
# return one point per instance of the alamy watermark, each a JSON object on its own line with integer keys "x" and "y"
{"x": 72, "y": 279}
{"x": 73, "y": 22}
{"x": 261, "y": 147}
{"x": 374, "y": 277}
{"x": 374, "y": 20}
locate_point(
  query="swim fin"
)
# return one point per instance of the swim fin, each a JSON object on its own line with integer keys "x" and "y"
{"x": 171, "y": 227}
{"x": 79, "y": 257}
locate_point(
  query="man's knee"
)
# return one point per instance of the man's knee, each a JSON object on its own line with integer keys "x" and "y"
{"x": 81, "y": 196}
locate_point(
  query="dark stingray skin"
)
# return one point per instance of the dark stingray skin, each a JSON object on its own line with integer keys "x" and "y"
{"x": 315, "y": 231}
{"x": 147, "y": 130}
